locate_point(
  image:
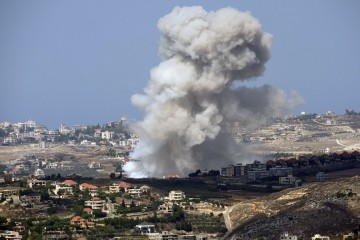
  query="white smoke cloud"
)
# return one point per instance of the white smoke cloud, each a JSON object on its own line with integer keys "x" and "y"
{"x": 190, "y": 102}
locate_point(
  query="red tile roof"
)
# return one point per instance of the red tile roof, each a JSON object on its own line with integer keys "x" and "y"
{"x": 70, "y": 182}
{"x": 89, "y": 186}
{"x": 124, "y": 185}
{"x": 88, "y": 210}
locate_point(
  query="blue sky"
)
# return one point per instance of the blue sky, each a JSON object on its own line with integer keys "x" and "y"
{"x": 79, "y": 62}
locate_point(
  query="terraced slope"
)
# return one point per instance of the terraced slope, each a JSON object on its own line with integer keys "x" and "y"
{"x": 328, "y": 208}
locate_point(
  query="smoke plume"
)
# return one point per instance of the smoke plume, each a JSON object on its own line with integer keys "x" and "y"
{"x": 191, "y": 103}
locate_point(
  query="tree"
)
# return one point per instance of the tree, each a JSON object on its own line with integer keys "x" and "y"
{"x": 112, "y": 176}
{"x": 98, "y": 213}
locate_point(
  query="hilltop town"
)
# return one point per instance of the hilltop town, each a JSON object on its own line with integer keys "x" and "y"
{"x": 69, "y": 183}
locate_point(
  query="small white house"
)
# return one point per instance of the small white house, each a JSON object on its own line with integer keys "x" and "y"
{"x": 287, "y": 236}
{"x": 319, "y": 237}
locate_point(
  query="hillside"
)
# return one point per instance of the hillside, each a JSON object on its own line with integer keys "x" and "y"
{"x": 328, "y": 208}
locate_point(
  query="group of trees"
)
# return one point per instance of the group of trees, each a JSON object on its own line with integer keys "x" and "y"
{"x": 351, "y": 112}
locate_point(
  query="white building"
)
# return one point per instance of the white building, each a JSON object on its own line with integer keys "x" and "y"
{"x": 35, "y": 182}
{"x": 107, "y": 135}
{"x": 319, "y": 237}
{"x": 176, "y": 195}
{"x": 65, "y": 189}
{"x": 95, "y": 203}
{"x": 135, "y": 192}
{"x": 287, "y": 236}
{"x": 145, "y": 227}
{"x": 166, "y": 208}
{"x": 10, "y": 235}
{"x": 39, "y": 173}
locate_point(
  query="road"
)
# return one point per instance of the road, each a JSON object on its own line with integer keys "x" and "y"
{"x": 227, "y": 220}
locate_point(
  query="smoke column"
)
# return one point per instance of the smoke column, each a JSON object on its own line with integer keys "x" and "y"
{"x": 191, "y": 103}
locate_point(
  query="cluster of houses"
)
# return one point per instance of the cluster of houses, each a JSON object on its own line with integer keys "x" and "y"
{"x": 283, "y": 167}
{"x": 148, "y": 229}
{"x": 32, "y": 132}
{"x": 256, "y": 171}
{"x": 287, "y": 236}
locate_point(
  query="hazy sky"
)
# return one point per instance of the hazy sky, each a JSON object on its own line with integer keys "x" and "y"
{"x": 79, "y": 62}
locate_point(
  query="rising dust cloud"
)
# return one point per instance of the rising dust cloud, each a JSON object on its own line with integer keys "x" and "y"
{"x": 191, "y": 103}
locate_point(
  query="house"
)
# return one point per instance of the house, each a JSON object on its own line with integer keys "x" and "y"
{"x": 127, "y": 202}
{"x": 145, "y": 227}
{"x": 95, "y": 203}
{"x": 35, "y": 182}
{"x": 115, "y": 188}
{"x": 319, "y": 237}
{"x": 63, "y": 190}
{"x": 93, "y": 190}
{"x": 176, "y": 195}
{"x": 70, "y": 183}
{"x": 31, "y": 198}
{"x": 5, "y": 193}
{"x": 82, "y": 222}
{"x": 169, "y": 235}
{"x": 77, "y": 220}
{"x": 107, "y": 135}
{"x": 134, "y": 192}
{"x": 287, "y": 236}
{"x": 349, "y": 236}
{"x": 145, "y": 190}
{"x": 10, "y": 235}
{"x": 39, "y": 173}
{"x": 166, "y": 208}
{"x": 90, "y": 225}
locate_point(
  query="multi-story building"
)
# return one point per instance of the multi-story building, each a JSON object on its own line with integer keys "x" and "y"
{"x": 176, "y": 195}
{"x": 107, "y": 135}
{"x": 279, "y": 171}
{"x": 257, "y": 174}
{"x": 230, "y": 170}
{"x": 115, "y": 188}
{"x": 288, "y": 180}
{"x": 31, "y": 198}
{"x": 240, "y": 170}
{"x": 62, "y": 189}
{"x": 135, "y": 192}
{"x": 257, "y": 165}
{"x": 321, "y": 176}
{"x": 93, "y": 190}
{"x": 35, "y": 182}
{"x": 95, "y": 203}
